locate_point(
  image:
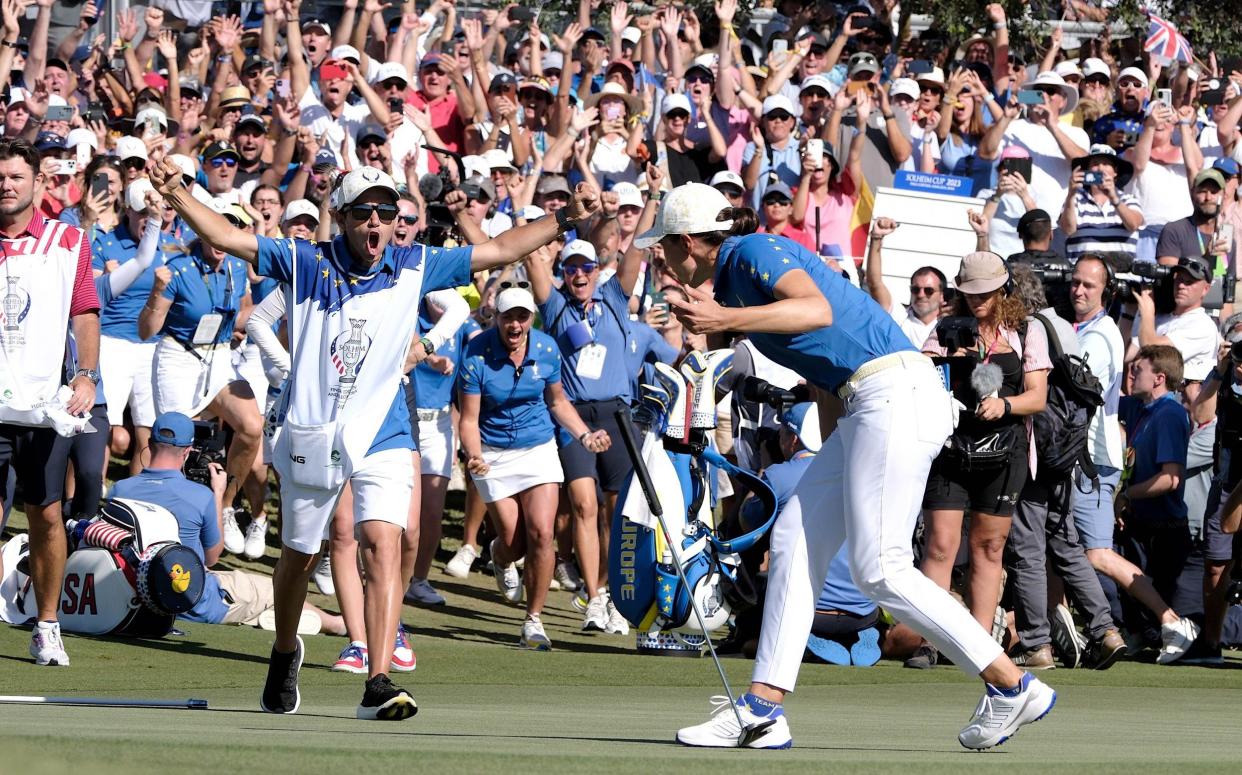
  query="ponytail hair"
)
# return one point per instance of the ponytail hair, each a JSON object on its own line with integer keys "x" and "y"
{"x": 745, "y": 221}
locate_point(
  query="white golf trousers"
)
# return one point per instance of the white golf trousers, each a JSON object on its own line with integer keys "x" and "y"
{"x": 867, "y": 484}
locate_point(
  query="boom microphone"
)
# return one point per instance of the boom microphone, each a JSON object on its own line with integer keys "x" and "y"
{"x": 430, "y": 187}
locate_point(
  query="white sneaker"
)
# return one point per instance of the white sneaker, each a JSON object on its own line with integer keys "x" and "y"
{"x": 46, "y": 646}
{"x": 256, "y": 539}
{"x": 617, "y": 624}
{"x": 566, "y": 574}
{"x": 999, "y": 716}
{"x": 1175, "y": 639}
{"x": 323, "y": 575}
{"x": 422, "y": 593}
{"x": 722, "y": 730}
{"x": 533, "y": 636}
{"x": 507, "y": 579}
{"x": 459, "y": 566}
{"x": 596, "y": 617}
{"x": 234, "y": 540}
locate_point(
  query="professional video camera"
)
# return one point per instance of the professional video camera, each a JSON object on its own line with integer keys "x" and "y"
{"x": 1142, "y": 275}
{"x": 439, "y": 223}
{"x": 763, "y": 392}
{"x": 957, "y": 333}
{"x": 208, "y": 448}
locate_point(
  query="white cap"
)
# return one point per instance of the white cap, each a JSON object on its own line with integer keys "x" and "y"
{"x": 131, "y": 148}
{"x": 511, "y": 298}
{"x": 675, "y": 101}
{"x": 476, "y": 165}
{"x": 16, "y": 95}
{"x": 78, "y": 136}
{"x": 151, "y": 111}
{"x": 631, "y": 35}
{"x": 391, "y": 70}
{"x": 1093, "y": 66}
{"x": 1135, "y": 73}
{"x": 56, "y": 101}
{"x": 136, "y": 194}
{"x": 532, "y": 213}
{"x": 727, "y": 178}
{"x": 778, "y": 102}
{"x": 627, "y": 194}
{"x": 358, "y": 182}
{"x": 185, "y": 163}
{"x": 821, "y": 81}
{"x": 220, "y": 204}
{"x": 579, "y": 247}
{"x": 300, "y": 207}
{"x": 1067, "y": 67}
{"x": 936, "y": 76}
{"x": 346, "y": 52}
{"x": 496, "y": 159}
{"x": 905, "y": 86}
{"x": 1049, "y": 78}
{"x": 692, "y": 208}
{"x": 553, "y": 60}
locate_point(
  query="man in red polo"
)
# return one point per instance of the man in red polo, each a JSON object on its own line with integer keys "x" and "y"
{"x": 444, "y": 93}
{"x": 45, "y": 269}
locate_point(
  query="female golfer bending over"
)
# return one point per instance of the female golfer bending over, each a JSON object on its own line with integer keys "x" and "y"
{"x": 891, "y": 414}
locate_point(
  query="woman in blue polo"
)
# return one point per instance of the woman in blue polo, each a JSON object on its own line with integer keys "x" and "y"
{"x": 890, "y": 416}
{"x": 510, "y": 385}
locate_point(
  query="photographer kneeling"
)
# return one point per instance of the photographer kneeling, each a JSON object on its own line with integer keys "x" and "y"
{"x": 985, "y": 465}
{"x": 229, "y": 597}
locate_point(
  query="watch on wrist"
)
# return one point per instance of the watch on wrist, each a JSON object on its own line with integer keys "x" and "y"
{"x": 563, "y": 222}
{"x": 90, "y": 374}
{"x": 427, "y": 345}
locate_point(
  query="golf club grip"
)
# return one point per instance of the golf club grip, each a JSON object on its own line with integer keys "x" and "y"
{"x": 626, "y": 427}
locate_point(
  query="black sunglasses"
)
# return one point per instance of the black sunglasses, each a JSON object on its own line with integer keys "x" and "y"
{"x": 925, "y": 290}
{"x": 387, "y": 213}
{"x": 408, "y": 220}
{"x": 507, "y": 284}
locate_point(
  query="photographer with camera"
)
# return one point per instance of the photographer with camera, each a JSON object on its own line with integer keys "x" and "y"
{"x": 1097, "y": 216}
{"x": 1004, "y": 379}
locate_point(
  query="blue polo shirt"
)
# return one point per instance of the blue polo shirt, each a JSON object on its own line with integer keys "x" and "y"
{"x": 747, "y": 271}
{"x": 1156, "y": 433}
{"x": 194, "y": 506}
{"x": 433, "y": 390}
{"x": 512, "y": 410}
{"x": 196, "y": 291}
{"x": 608, "y": 315}
{"x": 786, "y": 162}
{"x": 119, "y": 317}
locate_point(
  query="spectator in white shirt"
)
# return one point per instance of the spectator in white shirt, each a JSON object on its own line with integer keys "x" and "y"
{"x": 927, "y": 285}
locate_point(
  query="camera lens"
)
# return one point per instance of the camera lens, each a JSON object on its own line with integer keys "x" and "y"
{"x": 1235, "y": 351}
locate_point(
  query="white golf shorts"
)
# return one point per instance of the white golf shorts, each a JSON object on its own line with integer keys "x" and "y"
{"x": 188, "y": 382}
{"x": 126, "y": 371}
{"x": 435, "y": 444}
{"x": 382, "y": 483}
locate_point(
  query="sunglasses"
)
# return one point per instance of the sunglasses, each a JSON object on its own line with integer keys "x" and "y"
{"x": 924, "y": 290}
{"x": 134, "y": 164}
{"x": 387, "y": 213}
{"x": 219, "y": 162}
{"x": 586, "y": 268}
{"x": 932, "y": 89}
{"x": 698, "y": 78}
{"x": 779, "y": 116}
{"x": 507, "y": 284}
{"x": 408, "y": 220}
{"x": 677, "y": 115}
{"x": 776, "y": 202}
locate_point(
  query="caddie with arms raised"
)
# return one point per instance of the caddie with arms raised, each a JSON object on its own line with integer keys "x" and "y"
{"x": 342, "y": 416}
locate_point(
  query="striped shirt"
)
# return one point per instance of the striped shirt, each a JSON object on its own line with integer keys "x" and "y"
{"x": 1099, "y": 227}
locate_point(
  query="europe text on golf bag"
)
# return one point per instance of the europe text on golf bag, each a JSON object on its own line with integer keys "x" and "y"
{"x": 678, "y": 414}
{"x": 127, "y": 574}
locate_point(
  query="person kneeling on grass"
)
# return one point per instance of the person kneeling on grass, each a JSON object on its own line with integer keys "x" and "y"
{"x": 229, "y": 597}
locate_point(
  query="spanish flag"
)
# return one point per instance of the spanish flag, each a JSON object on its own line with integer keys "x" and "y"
{"x": 860, "y": 222}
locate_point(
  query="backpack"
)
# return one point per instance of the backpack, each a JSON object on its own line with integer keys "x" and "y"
{"x": 1062, "y": 429}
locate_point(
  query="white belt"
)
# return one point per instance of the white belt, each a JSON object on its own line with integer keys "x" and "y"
{"x": 892, "y": 360}
{"x": 188, "y": 346}
{"x": 431, "y": 414}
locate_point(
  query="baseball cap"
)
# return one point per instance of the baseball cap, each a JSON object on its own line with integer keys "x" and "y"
{"x": 252, "y": 118}
{"x": 358, "y": 182}
{"x": 819, "y": 81}
{"x": 185, "y": 164}
{"x": 136, "y": 194}
{"x": 299, "y": 207}
{"x": 1093, "y": 66}
{"x": 502, "y": 82}
{"x": 79, "y": 136}
{"x": 475, "y": 166}
{"x": 1227, "y": 166}
{"x": 676, "y": 101}
{"x": 496, "y": 159}
{"x": 863, "y": 62}
{"x": 905, "y": 87}
{"x": 579, "y": 247}
{"x": 1210, "y": 175}
{"x": 372, "y": 131}
{"x": 778, "y": 102}
{"x": 531, "y": 213}
{"x": 802, "y": 420}
{"x": 981, "y": 272}
{"x": 631, "y": 35}
{"x": 16, "y": 95}
{"x": 346, "y": 52}
{"x": 1195, "y": 267}
{"x": 778, "y": 187}
{"x": 233, "y": 96}
{"x": 131, "y": 148}
{"x": 57, "y": 62}
{"x": 173, "y": 428}
{"x": 553, "y": 183}
{"x": 190, "y": 84}
{"x": 255, "y": 61}
{"x": 553, "y": 60}
{"x": 49, "y": 141}
{"x": 728, "y": 178}
{"x": 220, "y": 148}
{"x": 817, "y": 39}
{"x": 325, "y": 158}
{"x": 594, "y": 32}
{"x": 692, "y": 208}
{"x": 428, "y": 61}
{"x": 515, "y": 298}
{"x": 1067, "y": 67}
{"x": 392, "y": 70}
{"x": 315, "y": 21}
{"x": 1135, "y": 73}
{"x": 627, "y": 195}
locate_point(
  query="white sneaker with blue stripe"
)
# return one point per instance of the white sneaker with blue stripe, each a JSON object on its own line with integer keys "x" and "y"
{"x": 764, "y": 726}
{"x": 1002, "y": 712}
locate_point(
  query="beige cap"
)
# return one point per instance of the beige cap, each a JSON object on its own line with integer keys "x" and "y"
{"x": 981, "y": 272}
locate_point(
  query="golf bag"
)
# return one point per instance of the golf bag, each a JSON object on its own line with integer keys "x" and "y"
{"x": 127, "y": 574}
{"x": 678, "y": 415}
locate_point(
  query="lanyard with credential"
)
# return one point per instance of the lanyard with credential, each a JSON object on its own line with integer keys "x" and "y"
{"x": 228, "y": 282}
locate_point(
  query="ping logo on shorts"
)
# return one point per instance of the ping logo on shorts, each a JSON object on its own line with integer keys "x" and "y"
{"x": 299, "y": 459}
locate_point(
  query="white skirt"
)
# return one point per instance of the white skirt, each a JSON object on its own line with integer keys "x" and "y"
{"x": 435, "y": 444}
{"x": 518, "y": 468}
{"x": 188, "y": 382}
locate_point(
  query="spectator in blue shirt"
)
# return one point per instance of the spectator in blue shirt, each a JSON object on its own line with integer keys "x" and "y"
{"x": 510, "y": 385}
{"x": 1151, "y": 509}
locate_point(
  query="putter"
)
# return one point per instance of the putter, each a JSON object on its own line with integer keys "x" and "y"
{"x": 104, "y": 702}
{"x": 624, "y": 423}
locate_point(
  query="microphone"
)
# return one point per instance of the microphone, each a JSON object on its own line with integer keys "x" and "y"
{"x": 430, "y": 187}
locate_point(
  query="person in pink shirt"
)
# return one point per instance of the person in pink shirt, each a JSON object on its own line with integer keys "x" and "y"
{"x": 777, "y": 209}
{"x": 445, "y": 95}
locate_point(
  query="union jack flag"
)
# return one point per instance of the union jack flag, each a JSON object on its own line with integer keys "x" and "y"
{"x": 1163, "y": 40}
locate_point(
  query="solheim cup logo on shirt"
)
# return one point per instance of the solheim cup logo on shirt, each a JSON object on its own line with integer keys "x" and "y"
{"x": 14, "y": 307}
{"x": 347, "y": 353}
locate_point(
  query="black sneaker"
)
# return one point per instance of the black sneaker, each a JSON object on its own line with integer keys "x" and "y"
{"x": 280, "y": 692}
{"x": 925, "y": 657}
{"x": 384, "y": 701}
{"x": 1200, "y": 653}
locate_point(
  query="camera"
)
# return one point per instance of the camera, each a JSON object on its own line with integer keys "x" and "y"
{"x": 1052, "y": 272}
{"x": 957, "y": 333}
{"x": 527, "y": 15}
{"x": 1142, "y": 275}
{"x": 1093, "y": 179}
{"x": 1235, "y": 351}
{"x": 208, "y": 448}
{"x": 763, "y": 392}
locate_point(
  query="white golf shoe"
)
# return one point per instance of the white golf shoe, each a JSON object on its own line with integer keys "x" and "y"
{"x": 767, "y": 729}
{"x": 1001, "y": 714}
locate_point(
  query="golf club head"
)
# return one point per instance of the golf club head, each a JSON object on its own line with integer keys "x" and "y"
{"x": 751, "y": 733}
